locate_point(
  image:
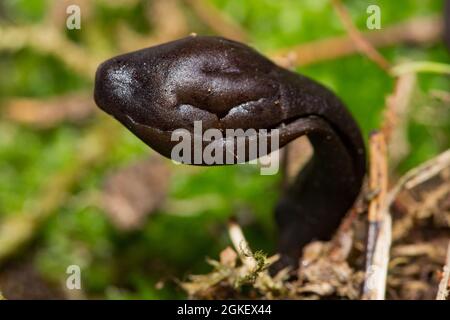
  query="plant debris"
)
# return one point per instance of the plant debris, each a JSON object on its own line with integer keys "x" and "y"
{"x": 320, "y": 275}
{"x": 420, "y": 208}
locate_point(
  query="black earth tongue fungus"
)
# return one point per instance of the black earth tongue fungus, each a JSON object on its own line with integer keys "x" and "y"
{"x": 228, "y": 85}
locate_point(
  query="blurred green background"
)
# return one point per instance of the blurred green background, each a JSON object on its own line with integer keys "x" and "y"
{"x": 171, "y": 243}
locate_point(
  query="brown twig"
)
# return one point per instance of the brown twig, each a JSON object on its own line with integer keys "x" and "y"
{"x": 412, "y": 179}
{"x": 241, "y": 245}
{"x": 379, "y": 233}
{"x": 444, "y": 284}
{"x": 361, "y": 43}
{"x": 420, "y": 174}
{"x": 419, "y": 31}
{"x": 378, "y": 177}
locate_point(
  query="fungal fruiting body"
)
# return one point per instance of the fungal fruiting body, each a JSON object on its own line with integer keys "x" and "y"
{"x": 228, "y": 85}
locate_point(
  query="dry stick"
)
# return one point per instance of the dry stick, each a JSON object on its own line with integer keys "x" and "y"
{"x": 241, "y": 245}
{"x": 217, "y": 21}
{"x": 381, "y": 252}
{"x": 378, "y": 183}
{"x": 361, "y": 43}
{"x": 379, "y": 234}
{"x": 376, "y": 289}
{"x": 444, "y": 284}
{"x": 419, "y": 31}
{"x": 420, "y": 174}
{"x": 417, "y": 176}
{"x": 380, "y": 222}
{"x": 393, "y": 129}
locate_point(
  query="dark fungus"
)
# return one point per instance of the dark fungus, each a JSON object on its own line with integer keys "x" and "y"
{"x": 226, "y": 84}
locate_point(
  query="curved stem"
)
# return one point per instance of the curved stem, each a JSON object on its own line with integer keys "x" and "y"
{"x": 314, "y": 204}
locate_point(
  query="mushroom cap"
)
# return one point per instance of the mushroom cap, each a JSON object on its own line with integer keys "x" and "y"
{"x": 222, "y": 83}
